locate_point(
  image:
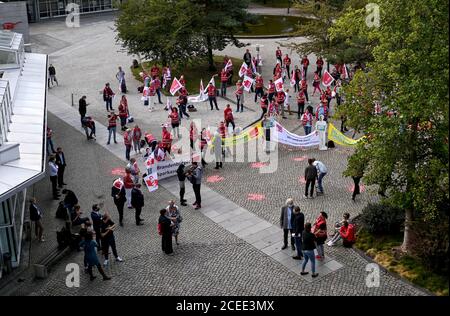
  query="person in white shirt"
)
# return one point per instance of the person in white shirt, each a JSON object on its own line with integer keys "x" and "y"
{"x": 322, "y": 170}
{"x": 53, "y": 170}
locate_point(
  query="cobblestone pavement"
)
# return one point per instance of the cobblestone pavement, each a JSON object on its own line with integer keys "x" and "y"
{"x": 210, "y": 260}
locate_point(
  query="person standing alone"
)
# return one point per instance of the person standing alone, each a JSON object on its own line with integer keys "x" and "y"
{"x": 137, "y": 201}
{"x": 82, "y": 108}
{"x": 60, "y": 160}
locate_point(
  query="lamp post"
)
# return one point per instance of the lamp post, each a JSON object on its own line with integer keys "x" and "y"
{"x": 289, "y": 6}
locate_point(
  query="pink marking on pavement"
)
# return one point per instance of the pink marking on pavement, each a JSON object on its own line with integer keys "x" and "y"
{"x": 214, "y": 179}
{"x": 302, "y": 180}
{"x": 256, "y": 197}
{"x": 302, "y": 158}
{"x": 118, "y": 172}
{"x": 258, "y": 164}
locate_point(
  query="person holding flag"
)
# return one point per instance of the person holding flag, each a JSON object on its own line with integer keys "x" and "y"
{"x": 271, "y": 90}
{"x": 287, "y": 64}
{"x": 239, "y": 96}
{"x": 212, "y": 92}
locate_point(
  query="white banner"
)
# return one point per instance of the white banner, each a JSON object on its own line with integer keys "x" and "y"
{"x": 283, "y": 136}
{"x": 247, "y": 83}
{"x": 168, "y": 168}
{"x": 279, "y": 84}
{"x": 203, "y": 96}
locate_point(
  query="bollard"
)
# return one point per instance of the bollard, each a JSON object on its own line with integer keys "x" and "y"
{"x": 72, "y": 97}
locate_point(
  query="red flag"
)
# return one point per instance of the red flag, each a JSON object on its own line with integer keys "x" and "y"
{"x": 327, "y": 79}
{"x": 118, "y": 184}
{"x": 176, "y": 85}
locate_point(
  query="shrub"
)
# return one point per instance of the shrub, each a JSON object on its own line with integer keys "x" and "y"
{"x": 382, "y": 219}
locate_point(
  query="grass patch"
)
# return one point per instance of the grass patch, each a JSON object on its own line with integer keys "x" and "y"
{"x": 380, "y": 249}
{"x": 194, "y": 72}
{"x": 273, "y": 25}
{"x": 274, "y": 3}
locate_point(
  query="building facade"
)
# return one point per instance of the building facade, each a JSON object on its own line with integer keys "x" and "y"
{"x": 44, "y": 9}
{"x": 23, "y": 115}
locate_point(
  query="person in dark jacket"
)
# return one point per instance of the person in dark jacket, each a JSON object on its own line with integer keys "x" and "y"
{"x": 182, "y": 179}
{"x": 90, "y": 254}
{"x": 166, "y": 231}
{"x": 96, "y": 223}
{"x": 70, "y": 199}
{"x": 119, "y": 199}
{"x": 308, "y": 246}
{"x": 82, "y": 108}
{"x": 137, "y": 201}
{"x": 35, "y": 217}
{"x": 310, "y": 177}
{"x": 108, "y": 239}
{"x": 61, "y": 162}
{"x": 298, "y": 224}
{"x": 286, "y": 222}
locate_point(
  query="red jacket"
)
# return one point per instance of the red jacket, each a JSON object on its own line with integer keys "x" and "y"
{"x": 287, "y": 61}
{"x": 271, "y": 87}
{"x": 348, "y": 233}
{"x": 222, "y": 130}
{"x": 301, "y": 97}
{"x": 174, "y": 118}
{"x": 228, "y": 114}
{"x": 278, "y": 53}
{"x": 319, "y": 63}
{"x": 281, "y": 97}
{"x": 223, "y": 76}
{"x": 211, "y": 90}
{"x": 259, "y": 83}
{"x": 154, "y": 71}
{"x": 304, "y": 85}
{"x": 127, "y": 139}
{"x": 128, "y": 182}
{"x": 166, "y": 139}
{"x": 305, "y": 62}
{"x": 112, "y": 121}
{"x": 319, "y": 221}
{"x": 264, "y": 102}
{"x": 137, "y": 134}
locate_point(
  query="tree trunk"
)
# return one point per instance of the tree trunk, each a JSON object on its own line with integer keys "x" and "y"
{"x": 407, "y": 237}
{"x": 212, "y": 67}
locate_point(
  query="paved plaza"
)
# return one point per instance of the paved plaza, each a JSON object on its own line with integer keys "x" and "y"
{"x": 232, "y": 246}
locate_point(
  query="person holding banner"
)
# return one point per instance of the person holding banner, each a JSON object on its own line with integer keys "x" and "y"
{"x": 212, "y": 92}
{"x": 239, "y": 96}
{"x": 287, "y": 65}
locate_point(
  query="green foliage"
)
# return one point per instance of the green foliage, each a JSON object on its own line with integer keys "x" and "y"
{"x": 407, "y": 154}
{"x": 382, "y": 219}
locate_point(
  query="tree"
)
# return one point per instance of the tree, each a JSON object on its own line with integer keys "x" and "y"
{"x": 407, "y": 152}
{"x": 218, "y": 21}
{"x": 323, "y": 15}
{"x": 160, "y": 30}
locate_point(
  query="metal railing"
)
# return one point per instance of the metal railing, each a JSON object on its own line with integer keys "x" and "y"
{"x": 6, "y": 110}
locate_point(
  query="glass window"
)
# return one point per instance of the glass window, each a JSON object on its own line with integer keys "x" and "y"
{"x": 7, "y": 57}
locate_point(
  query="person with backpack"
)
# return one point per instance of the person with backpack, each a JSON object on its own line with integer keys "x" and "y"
{"x": 165, "y": 231}
{"x": 307, "y": 121}
{"x": 308, "y": 246}
{"x": 90, "y": 247}
{"x": 108, "y": 95}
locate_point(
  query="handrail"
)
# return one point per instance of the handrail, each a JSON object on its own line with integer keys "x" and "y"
{"x": 5, "y": 111}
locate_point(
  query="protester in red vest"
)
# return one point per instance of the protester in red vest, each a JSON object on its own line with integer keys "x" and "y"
{"x": 304, "y": 88}
{"x": 137, "y": 135}
{"x": 212, "y": 92}
{"x": 151, "y": 141}
{"x": 223, "y": 82}
{"x": 157, "y": 83}
{"x": 175, "y": 122}
{"x": 128, "y": 141}
{"x": 222, "y": 130}
{"x": 273, "y": 108}
{"x": 305, "y": 64}
{"x": 287, "y": 65}
{"x": 328, "y": 95}
{"x": 108, "y": 95}
{"x": 123, "y": 112}
{"x": 259, "y": 87}
{"x": 279, "y": 55}
{"x": 112, "y": 124}
{"x": 319, "y": 64}
{"x": 128, "y": 184}
{"x": 182, "y": 81}
{"x": 193, "y": 134}
{"x": 228, "y": 116}
{"x": 264, "y": 102}
{"x": 239, "y": 96}
{"x": 316, "y": 83}
{"x": 166, "y": 140}
{"x": 301, "y": 103}
{"x": 271, "y": 90}
{"x": 154, "y": 71}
